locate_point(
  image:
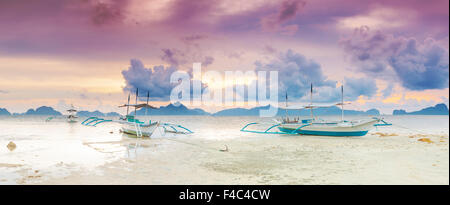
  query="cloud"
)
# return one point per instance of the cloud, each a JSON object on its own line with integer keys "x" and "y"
{"x": 86, "y": 28}
{"x": 416, "y": 65}
{"x": 173, "y": 56}
{"x": 289, "y": 30}
{"x": 236, "y": 54}
{"x": 423, "y": 66}
{"x": 269, "y": 49}
{"x": 193, "y": 38}
{"x": 370, "y": 51}
{"x": 3, "y": 92}
{"x": 380, "y": 18}
{"x": 187, "y": 13}
{"x": 156, "y": 80}
{"x": 83, "y": 96}
{"x": 107, "y": 12}
{"x": 295, "y": 73}
{"x": 287, "y": 11}
{"x": 176, "y": 57}
{"x": 388, "y": 90}
{"x": 207, "y": 61}
{"x": 355, "y": 87}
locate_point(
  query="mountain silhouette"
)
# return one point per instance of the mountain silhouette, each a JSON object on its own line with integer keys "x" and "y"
{"x": 439, "y": 109}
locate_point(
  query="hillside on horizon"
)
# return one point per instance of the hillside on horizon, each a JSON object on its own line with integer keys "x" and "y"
{"x": 438, "y": 109}
{"x": 171, "y": 109}
{"x": 300, "y": 112}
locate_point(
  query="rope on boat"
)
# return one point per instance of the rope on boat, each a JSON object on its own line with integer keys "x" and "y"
{"x": 407, "y": 128}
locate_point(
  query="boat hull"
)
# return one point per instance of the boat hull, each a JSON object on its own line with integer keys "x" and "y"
{"x": 146, "y": 130}
{"x": 329, "y": 129}
{"x": 326, "y": 133}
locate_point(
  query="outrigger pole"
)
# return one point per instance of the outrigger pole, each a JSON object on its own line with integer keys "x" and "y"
{"x": 286, "y": 106}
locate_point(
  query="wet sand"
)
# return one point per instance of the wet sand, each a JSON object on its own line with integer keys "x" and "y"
{"x": 291, "y": 160}
{"x": 384, "y": 156}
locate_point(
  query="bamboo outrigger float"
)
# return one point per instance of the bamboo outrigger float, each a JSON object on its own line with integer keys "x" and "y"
{"x": 314, "y": 126}
{"x": 133, "y": 126}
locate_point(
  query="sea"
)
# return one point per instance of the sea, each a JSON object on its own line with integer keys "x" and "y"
{"x": 33, "y": 150}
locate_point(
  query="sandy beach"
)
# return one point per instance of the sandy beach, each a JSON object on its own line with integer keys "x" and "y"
{"x": 93, "y": 155}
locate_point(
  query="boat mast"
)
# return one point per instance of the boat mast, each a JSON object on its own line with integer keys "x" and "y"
{"x": 128, "y": 104}
{"x": 310, "y": 104}
{"x": 286, "y": 106}
{"x": 137, "y": 93}
{"x": 148, "y": 96}
{"x": 342, "y": 102}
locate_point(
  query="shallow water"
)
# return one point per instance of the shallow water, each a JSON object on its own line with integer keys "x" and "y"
{"x": 58, "y": 152}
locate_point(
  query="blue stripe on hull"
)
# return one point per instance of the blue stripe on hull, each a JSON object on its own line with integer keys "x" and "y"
{"x": 325, "y": 133}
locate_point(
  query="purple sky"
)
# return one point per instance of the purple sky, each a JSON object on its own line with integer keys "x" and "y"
{"x": 389, "y": 54}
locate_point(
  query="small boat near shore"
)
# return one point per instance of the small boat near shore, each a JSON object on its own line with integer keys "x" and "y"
{"x": 329, "y": 128}
{"x": 133, "y": 126}
{"x": 314, "y": 126}
{"x": 72, "y": 117}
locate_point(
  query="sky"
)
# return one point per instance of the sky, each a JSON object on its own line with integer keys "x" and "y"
{"x": 388, "y": 54}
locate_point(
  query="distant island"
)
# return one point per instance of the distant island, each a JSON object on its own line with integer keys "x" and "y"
{"x": 171, "y": 109}
{"x": 4, "y": 111}
{"x": 97, "y": 114}
{"x": 439, "y": 109}
{"x": 44, "y": 110}
{"x": 304, "y": 112}
{"x": 183, "y": 110}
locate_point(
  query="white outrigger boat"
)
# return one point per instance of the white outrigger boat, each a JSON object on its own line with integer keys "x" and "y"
{"x": 135, "y": 127}
{"x": 314, "y": 126}
{"x": 72, "y": 117}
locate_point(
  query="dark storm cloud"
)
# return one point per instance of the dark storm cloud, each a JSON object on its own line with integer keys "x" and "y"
{"x": 417, "y": 65}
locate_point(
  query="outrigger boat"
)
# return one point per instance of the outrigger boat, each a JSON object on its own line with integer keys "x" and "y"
{"x": 314, "y": 126}
{"x": 135, "y": 127}
{"x": 72, "y": 117}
